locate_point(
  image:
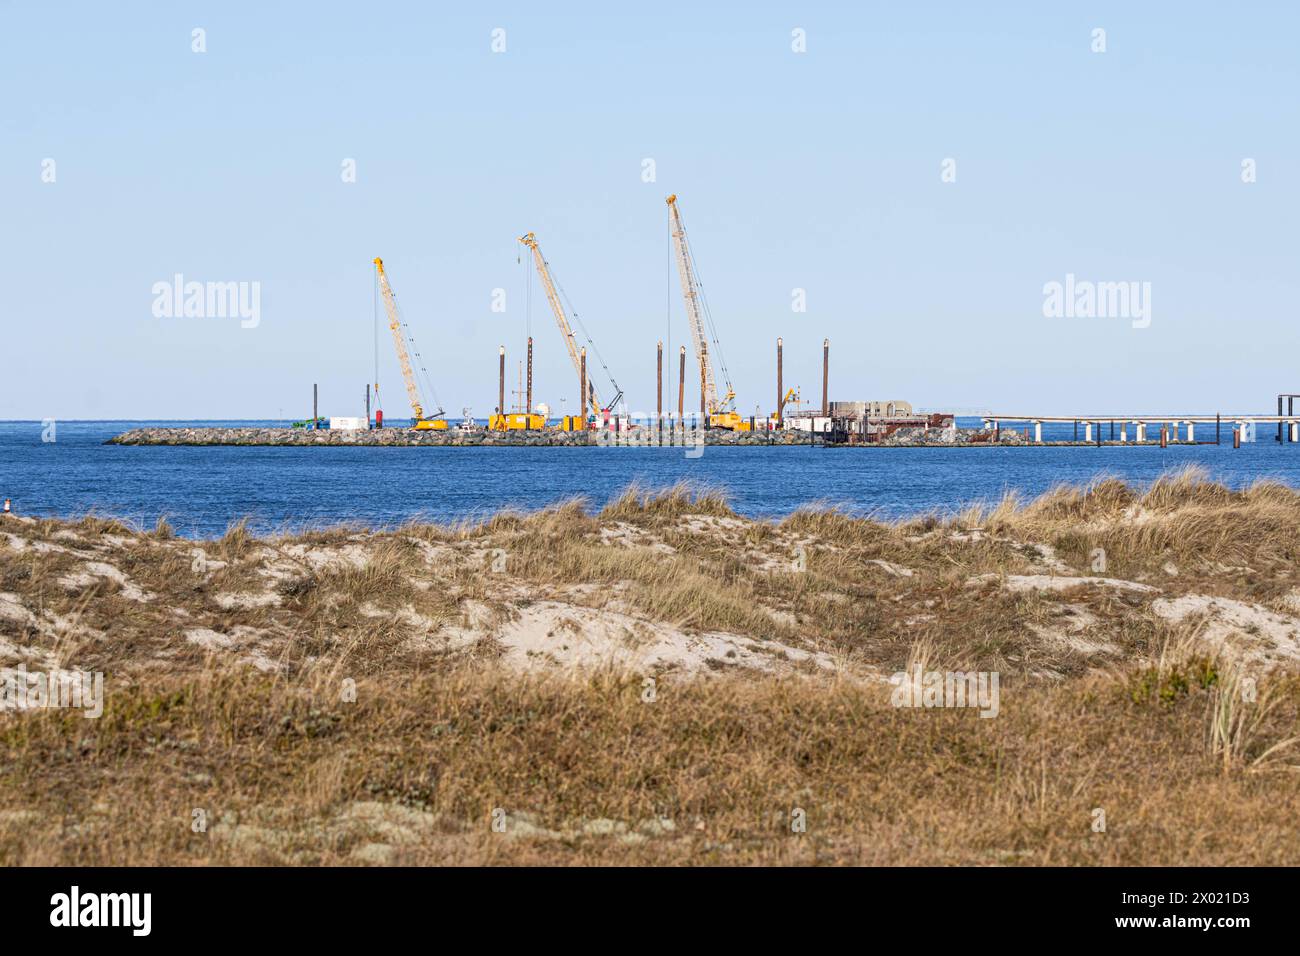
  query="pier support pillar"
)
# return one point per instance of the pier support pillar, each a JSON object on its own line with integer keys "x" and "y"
{"x": 1087, "y": 432}
{"x": 1141, "y": 432}
{"x": 1123, "y": 433}
{"x": 1038, "y": 433}
{"x": 1295, "y": 431}
{"x": 1191, "y": 432}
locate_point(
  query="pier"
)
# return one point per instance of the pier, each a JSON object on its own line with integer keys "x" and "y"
{"x": 1166, "y": 428}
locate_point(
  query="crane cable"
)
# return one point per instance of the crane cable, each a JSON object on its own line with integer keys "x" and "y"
{"x": 576, "y": 318}
{"x": 708, "y": 314}
{"x": 375, "y": 291}
{"x": 415, "y": 350}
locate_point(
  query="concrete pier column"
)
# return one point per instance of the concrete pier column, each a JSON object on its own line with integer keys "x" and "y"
{"x": 1141, "y": 432}
{"x": 1191, "y": 431}
{"x": 1123, "y": 433}
{"x": 1295, "y": 431}
{"x": 1087, "y": 432}
{"x": 1038, "y": 433}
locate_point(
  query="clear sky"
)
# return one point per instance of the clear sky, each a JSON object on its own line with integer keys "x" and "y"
{"x": 819, "y": 171}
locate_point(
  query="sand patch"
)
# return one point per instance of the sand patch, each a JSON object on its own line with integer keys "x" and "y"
{"x": 1068, "y": 630}
{"x": 94, "y": 571}
{"x": 12, "y": 609}
{"x": 320, "y": 558}
{"x": 622, "y": 534}
{"x": 1049, "y": 582}
{"x": 248, "y": 641}
{"x": 245, "y": 601}
{"x": 1262, "y": 635}
{"x": 552, "y": 634}
{"x": 894, "y": 570}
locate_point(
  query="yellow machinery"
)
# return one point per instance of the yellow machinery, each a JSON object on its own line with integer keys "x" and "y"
{"x": 791, "y": 397}
{"x": 721, "y": 412}
{"x": 516, "y": 421}
{"x": 566, "y": 331}
{"x": 403, "y": 358}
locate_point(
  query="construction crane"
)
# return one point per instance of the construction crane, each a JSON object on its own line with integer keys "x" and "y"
{"x": 721, "y": 412}
{"x": 403, "y": 358}
{"x": 566, "y": 331}
{"x": 791, "y": 397}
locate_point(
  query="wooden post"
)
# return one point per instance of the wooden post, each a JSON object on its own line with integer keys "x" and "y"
{"x": 501, "y": 386}
{"x": 659, "y": 387}
{"x": 780, "y": 392}
{"x": 826, "y": 375}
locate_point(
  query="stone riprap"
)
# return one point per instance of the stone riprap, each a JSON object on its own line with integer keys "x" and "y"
{"x": 408, "y": 436}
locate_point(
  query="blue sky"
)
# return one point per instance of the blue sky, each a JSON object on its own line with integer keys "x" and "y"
{"x": 818, "y": 171}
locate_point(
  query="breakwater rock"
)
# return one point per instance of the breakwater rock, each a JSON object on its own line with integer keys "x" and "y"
{"x": 452, "y": 436}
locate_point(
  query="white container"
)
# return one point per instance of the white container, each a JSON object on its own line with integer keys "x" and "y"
{"x": 346, "y": 424}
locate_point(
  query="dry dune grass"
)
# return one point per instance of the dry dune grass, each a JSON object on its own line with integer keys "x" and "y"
{"x": 344, "y": 697}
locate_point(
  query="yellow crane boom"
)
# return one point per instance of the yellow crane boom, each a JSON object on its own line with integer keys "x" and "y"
{"x": 721, "y": 411}
{"x": 561, "y": 318}
{"x": 403, "y": 358}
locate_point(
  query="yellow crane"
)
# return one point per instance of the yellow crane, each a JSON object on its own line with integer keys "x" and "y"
{"x": 562, "y": 320}
{"x": 403, "y": 358}
{"x": 792, "y": 397}
{"x": 721, "y": 412}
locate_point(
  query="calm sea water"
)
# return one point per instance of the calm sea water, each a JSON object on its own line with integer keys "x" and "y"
{"x": 201, "y": 490}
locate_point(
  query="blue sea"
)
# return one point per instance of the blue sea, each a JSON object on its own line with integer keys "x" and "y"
{"x": 202, "y": 490}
